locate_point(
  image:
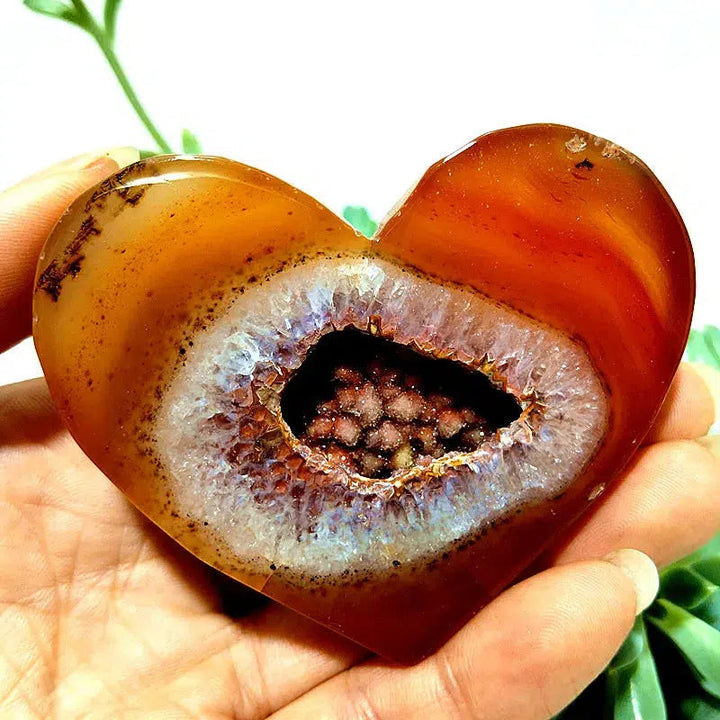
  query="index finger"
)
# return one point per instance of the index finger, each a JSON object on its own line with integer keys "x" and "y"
{"x": 691, "y": 405}
{"x": 28, "y": 212}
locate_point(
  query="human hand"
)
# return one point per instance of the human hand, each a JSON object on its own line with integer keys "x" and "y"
{"x": 103, "y": 616}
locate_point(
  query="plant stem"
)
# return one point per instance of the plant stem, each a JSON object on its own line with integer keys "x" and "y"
{"x": 90, "y": 24}
{"x": 112, "y": 59}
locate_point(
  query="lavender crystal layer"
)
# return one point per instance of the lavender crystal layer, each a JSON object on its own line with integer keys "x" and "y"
{"x": 233, "y": 463}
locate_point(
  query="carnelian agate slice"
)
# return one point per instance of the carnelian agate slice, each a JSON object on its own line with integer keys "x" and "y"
{"x": 379, "y": 434}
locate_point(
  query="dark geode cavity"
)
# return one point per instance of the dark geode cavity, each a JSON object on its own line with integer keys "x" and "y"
{"x": 377, "y": 406}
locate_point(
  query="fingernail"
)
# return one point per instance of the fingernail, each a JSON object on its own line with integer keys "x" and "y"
{"x": 121, "y": 156}
{"x": 712, "y": 379}
{"x": 641, "y": 571}
{"x": 101, "y": 161}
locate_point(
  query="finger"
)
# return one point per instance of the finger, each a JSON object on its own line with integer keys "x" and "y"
{"x": 667, "y": 505}
{"x": 690, "y": 406}
{"x": 711, "y": 375}
{"x": 28, "y": 212}
{"x": 27, "y": 413}
{"x": 526, "y": 655}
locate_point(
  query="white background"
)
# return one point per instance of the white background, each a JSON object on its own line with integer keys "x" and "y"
{"x": 352, "y": 101}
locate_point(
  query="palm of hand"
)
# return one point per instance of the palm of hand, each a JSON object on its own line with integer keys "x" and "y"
{"x": 99, "y": 604}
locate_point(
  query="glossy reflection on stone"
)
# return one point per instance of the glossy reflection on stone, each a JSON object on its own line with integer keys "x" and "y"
{"x": 380, "y": 434}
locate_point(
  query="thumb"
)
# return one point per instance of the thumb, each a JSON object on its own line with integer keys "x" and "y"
{"x": 28, "y": 212}
{"x": 524, "y": 657}
{"x": 549, "y": 637}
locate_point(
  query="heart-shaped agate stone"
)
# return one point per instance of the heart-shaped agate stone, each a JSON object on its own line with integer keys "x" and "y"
{"x": 380, "y": 434}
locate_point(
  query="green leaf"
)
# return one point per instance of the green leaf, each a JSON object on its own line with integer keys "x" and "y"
{"x": 709, "y": 568}
{"x": 110, "y": 15}
{"x": 708, "y": 608}
{"x": 695, "y": 639}
{"x": 685, "y": 587}
{"x": 144, "y": 154}
{"x": 704, "y": 346}
{"x": 633, "y": 688}
{"x": 699, "y": 707}
{"x": 190, "y": 143}
{"x": 52, "y": 8}
{"x": 695, "y": 588}
{"x": 360, "y": 219}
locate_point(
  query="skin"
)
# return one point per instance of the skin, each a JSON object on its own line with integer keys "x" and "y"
{"x": 103, "y": 616}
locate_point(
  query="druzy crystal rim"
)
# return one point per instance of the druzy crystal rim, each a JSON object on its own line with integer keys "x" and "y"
{"x": 531, "y": 405}
{"x": 415, "y": 511}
